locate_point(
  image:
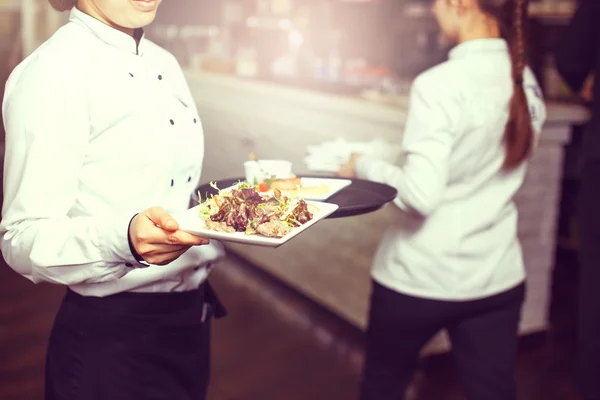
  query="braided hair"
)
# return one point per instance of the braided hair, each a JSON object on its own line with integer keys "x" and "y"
{"x": 518, "y": 134}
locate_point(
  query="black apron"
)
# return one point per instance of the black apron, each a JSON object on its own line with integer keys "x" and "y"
{"x": 132, "y": 346}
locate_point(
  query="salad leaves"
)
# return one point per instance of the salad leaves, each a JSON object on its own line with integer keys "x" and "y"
{"x": 244, "y": 209}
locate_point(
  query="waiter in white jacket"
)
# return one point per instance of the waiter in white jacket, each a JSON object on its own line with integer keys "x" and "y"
{"x": 452, "y": 259}
{"x": 103, "y": 143}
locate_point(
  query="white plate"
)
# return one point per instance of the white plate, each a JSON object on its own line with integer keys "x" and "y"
{"x": 319, "y": 189}
{"x": 190, "y": 221}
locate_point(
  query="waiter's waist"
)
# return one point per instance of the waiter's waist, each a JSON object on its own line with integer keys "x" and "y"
{"x": 141, "y": 303}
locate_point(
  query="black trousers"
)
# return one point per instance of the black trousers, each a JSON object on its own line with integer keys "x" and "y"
{"x": 483, "y": 334}
{"x": 588, "y": 369}
{"x": 131, "y": 346}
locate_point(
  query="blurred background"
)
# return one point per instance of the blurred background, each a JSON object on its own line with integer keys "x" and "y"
{"x": 282, "y": 78}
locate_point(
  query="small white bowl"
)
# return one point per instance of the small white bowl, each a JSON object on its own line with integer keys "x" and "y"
{"x": 260, "y": 170}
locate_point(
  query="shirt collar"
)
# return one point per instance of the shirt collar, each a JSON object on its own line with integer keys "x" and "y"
{"x": 108, "y": 34}
{"x": 478, "y": 46}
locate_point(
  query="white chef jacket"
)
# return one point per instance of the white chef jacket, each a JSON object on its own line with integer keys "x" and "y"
{"x": 98, "y": 129}
{"x": 456, "y": 235}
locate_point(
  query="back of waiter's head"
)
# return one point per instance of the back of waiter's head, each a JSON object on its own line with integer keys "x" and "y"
{"x": 458, "y": 18}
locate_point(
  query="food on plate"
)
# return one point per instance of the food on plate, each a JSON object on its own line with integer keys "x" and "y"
{"x": 293, "y": 184}
{"x": 245, "y": 209}
{"x": 285, "y": 184}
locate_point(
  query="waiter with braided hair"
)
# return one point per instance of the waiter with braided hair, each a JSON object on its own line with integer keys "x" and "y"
{"x": 451, "y": 258}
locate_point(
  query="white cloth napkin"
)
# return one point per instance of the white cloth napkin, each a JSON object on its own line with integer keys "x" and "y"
{"x": 330, "y": 155}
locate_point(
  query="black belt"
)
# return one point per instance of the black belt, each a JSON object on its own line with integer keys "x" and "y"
{"x": 153, "y": 303}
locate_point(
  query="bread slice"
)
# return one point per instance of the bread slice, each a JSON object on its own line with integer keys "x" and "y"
{"x": 286, "y": 184}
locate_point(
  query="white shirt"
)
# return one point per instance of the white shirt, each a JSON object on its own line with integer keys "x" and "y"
{"x": 96, "y": 131}
{"x": 456, "y": 235}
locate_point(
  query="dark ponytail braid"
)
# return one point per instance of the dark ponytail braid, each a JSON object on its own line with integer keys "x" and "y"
{"x": 518, "y": 134}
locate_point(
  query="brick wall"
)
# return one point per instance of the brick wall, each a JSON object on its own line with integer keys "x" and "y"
{"x": 538, "y": 202}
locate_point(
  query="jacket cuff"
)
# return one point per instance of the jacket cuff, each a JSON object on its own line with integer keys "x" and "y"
{"x": 141, "y": 262}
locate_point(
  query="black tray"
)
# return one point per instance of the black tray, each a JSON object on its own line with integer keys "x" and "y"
{"x": 361, "y": 197}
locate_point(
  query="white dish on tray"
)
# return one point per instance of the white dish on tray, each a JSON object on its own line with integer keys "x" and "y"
{"x": 191, "y": 222}
{"x": 319, "y": 189}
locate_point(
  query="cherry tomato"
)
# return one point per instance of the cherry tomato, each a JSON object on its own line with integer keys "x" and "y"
{"x": 263, "y": 187}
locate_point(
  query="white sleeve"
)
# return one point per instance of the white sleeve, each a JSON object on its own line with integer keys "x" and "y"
{"x": 427, "y": 143}
{"x": 47, "y": 130}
